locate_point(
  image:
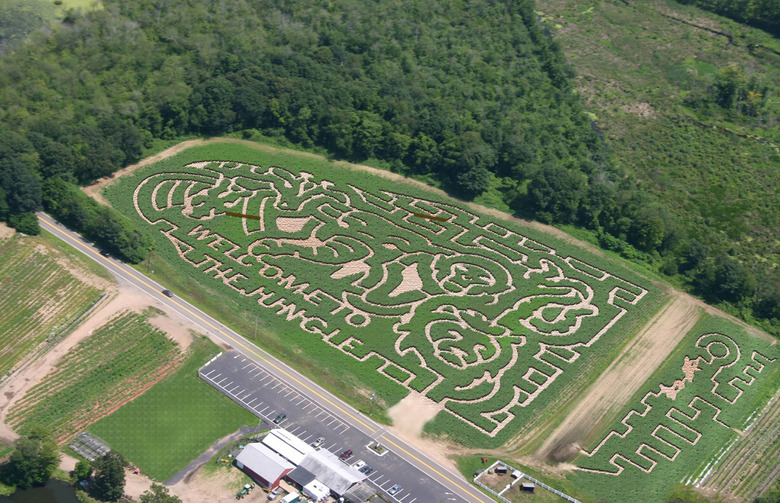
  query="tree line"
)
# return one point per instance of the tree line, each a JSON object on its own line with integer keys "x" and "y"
{"x": 476, "y": 96}
{"x": 764, "y": 14}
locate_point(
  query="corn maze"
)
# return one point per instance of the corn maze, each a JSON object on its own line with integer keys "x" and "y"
{"x": 476, "y": 316}
{"x": 700, "y": 406}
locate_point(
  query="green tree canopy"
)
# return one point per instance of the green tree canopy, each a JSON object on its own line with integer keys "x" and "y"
{"x": 110, "y": 476}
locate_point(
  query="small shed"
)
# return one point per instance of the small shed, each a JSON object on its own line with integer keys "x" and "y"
{"x": 527, "y": 487}
{"x": 316, "y": 490}
{"x": 501, "y": 470}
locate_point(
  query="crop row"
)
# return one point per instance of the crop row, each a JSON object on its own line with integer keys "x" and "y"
{"x": 110, "y": 367}
{"x": 46, "y": 297}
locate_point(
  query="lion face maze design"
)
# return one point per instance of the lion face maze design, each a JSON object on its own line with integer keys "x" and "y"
{"x": 475, "y": 316}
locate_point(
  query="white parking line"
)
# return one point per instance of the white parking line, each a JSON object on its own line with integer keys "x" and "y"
{"x": 307, "y": 438}
{"x": 250, "y": 403}
{"x": 245, "y": 366}
{"x": 293, "y": 431}
{"x": 310, "y": 404}
{"x": 264, "y": 409}
{"x": 321, "y": 412}
{"x": 376, "y": 480}
{"x": 412, "y": 501}
{"x": 277, "y": 385}
{"x": 228, "y": 384}
{"x": 405, "y": 497}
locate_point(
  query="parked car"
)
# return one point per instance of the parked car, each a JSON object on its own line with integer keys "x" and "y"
{"x": 367, "y": 470}
{"x": 105, "y": 253}
{"x": 318, "y": 442}
{"x": 281, "y": 417}
{"x": 360, "y": 464}
{"x": 345, "y": 455}
{"x": 394, "y": 489}
{"x": 167, "y": 293}
{"x": 273, "y": 494}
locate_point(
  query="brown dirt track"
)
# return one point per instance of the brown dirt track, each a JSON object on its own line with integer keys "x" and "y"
{"x": 615, "y": 387}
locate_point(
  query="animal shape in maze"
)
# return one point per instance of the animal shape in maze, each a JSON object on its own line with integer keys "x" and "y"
{"x": 665, "y": 424}
{"x": 495, "y": 313}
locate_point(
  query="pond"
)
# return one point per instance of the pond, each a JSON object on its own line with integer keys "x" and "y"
{"x": 54, "y": 491}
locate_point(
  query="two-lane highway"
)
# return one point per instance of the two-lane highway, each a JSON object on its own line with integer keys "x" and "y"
{"x": 445, "y": 484}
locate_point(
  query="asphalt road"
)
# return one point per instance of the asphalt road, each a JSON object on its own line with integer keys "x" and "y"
{"x": 455, "y": 488}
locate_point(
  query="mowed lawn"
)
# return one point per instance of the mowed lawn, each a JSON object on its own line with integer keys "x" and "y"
{"x": 175, "y": 421}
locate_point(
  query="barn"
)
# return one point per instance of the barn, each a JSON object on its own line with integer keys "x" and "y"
{"x": 262, "y": 464}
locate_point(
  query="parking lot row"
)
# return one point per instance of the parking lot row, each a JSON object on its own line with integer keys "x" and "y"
{"x": 262, "y": 394}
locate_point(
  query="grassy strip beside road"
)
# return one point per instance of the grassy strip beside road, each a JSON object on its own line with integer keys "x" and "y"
{"x": 175, "y": 421}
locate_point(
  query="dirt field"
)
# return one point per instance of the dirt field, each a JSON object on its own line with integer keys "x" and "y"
{"x": 607, "y": 396}
{"x": 409, "y": 416}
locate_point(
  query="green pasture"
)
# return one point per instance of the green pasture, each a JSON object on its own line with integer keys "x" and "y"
{"x": 175, "y": 421}
{"x": 463, "y": 316}
{"x": 714, "y": 393}
{"x": 119, "y": 358}
{"x": 46, "y": 297}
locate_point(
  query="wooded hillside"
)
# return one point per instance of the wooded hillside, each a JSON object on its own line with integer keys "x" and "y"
{"x": 474, "y": 96}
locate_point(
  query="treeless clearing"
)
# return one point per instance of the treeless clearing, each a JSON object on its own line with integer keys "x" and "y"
{"x": 615, "y": 387}
{"x": 5, "y": 231}
{"x": 409, "y": 416}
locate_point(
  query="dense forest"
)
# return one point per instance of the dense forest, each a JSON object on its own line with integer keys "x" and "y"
{"x": 764, "y": 14}
{"x": 473, "y": 95}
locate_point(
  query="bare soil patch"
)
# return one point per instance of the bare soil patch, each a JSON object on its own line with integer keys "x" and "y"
{"x": 177, "y": 329}
{"x": 217, "y": 487}
{"x": 409, "y": 416}
{"x": 621, "y": 380}
{"x": 5, "y": 231}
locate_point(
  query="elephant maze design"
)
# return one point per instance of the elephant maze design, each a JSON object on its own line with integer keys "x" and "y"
{"x": 471, "y": 314}
{"x": 660, "y": 430}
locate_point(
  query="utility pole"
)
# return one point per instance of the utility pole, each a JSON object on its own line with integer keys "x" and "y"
{"x": 256, "y": 317}
{"x": 149, "y": 260}
{"x": 373, "y": 397}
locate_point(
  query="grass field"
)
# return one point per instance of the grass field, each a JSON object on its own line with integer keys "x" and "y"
{"x": 175, "y": 421}
{"x": 710, "y": 390}
{"x": 405, "y": 289}
{"x": 47, "y": 297}
{"x": 644, "y": 69}
{"x": 114, "y": 365}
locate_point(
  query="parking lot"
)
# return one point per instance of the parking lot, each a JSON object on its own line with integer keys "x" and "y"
{"x": 266, "y": 396}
